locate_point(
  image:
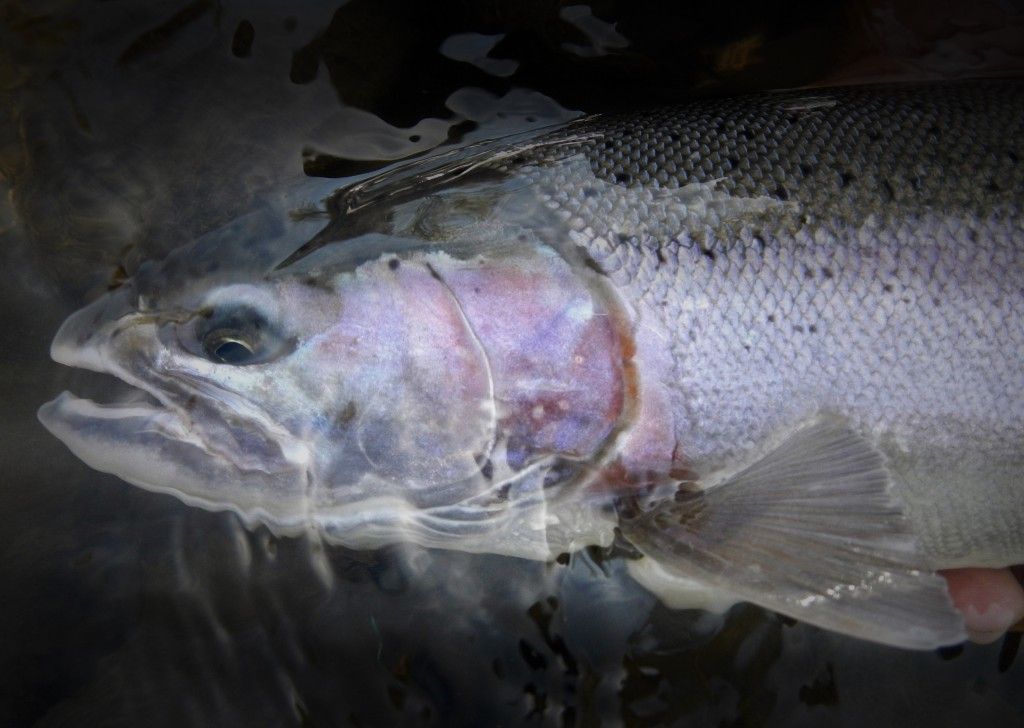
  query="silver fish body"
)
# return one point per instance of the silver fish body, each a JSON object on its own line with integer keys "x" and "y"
{"x": 858, "y": 252}
{"x": 776, "y": 339}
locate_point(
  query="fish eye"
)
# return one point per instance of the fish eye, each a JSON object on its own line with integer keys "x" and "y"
{"x": 228, "y": 347}
{"x": 238, "y": 336}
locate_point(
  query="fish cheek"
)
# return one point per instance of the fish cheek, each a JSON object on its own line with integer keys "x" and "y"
{"x": 424, "y": 433}
{"x": 415, "y": 450}
{"x": 413, "y": 399}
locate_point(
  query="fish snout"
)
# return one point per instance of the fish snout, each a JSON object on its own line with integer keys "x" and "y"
{"x": 83, "y": 338}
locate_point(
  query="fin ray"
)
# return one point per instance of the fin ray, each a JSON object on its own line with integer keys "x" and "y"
{"x": 811, "y": 530}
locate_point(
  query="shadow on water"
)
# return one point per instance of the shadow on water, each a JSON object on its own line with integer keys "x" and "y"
{"x": 131, "y": 127}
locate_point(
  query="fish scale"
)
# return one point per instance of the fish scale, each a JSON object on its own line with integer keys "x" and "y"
{"x": 887, "y": 284}
{"x": 894, "y": 143}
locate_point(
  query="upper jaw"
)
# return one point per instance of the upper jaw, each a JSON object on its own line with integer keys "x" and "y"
{"x": 87, "y": 340}
{"x": 81, "y": 341}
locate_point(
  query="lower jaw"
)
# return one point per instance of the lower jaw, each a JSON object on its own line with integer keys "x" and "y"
{"x": 148, "y": 446}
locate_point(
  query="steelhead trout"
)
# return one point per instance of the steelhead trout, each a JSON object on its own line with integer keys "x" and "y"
{"x": 777, "y": 342}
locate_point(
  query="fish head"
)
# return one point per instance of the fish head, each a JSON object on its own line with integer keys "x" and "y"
{"x": 414, "y": 395}
{"x": 201, "y": 418}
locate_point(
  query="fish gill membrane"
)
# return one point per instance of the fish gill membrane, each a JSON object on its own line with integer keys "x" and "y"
{"x": 774, "y": 341}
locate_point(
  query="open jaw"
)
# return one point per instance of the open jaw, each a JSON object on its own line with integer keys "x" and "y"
{"x": 153, "y": 447}
{"x": 169, "y": 436}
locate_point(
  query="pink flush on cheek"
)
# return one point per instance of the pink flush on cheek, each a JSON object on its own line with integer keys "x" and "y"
{"x": 402, "y": 327}
{"x": 555, "y": 355}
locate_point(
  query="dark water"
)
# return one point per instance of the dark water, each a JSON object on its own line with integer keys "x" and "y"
{"x": 128, "y": 128}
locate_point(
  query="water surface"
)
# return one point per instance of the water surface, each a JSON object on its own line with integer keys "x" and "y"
{"x": 131, "y": 127}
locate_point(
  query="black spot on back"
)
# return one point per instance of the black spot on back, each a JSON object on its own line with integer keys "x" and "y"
{"x": 759, "y": 242}
{"x": 888, "y": 193}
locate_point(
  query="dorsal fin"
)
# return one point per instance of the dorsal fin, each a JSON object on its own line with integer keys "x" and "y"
{"x": 349, "y": 207}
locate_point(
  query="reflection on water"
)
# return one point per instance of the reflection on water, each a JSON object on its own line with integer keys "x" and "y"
{"x": 130, "y": 128}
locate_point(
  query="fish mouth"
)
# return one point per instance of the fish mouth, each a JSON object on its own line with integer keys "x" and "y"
{"x": 132, "y": 413}
{"x": 83, "y": 343}
{"x": 136, "y": 409}
{"x": 141, "y": 413}
{"x": 168, "y": 435}
{"x": 136, "y": 441}
{"x": 152, "y": 447}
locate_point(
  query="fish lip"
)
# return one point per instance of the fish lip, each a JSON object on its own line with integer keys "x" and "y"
{"x": 169, "y": 413}
{"x": 58, "y": 417}
{"x": 75, "y": 345}
{"x": 92, "y": 338}
{"x": 67, "y": 406}
{"x": 82, "y": 343}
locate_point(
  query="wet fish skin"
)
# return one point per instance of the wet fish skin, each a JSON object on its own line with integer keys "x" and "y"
{"x": 855, "y": 251}
{"x": 768, "y": 296}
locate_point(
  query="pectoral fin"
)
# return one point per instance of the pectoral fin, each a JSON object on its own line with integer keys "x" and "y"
{"x": 811, "y": 530}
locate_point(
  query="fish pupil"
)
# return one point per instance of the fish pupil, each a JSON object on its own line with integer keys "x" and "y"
{"x": 232, "y": 351}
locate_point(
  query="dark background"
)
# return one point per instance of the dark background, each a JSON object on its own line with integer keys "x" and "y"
{"x": 128, "y": 128}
